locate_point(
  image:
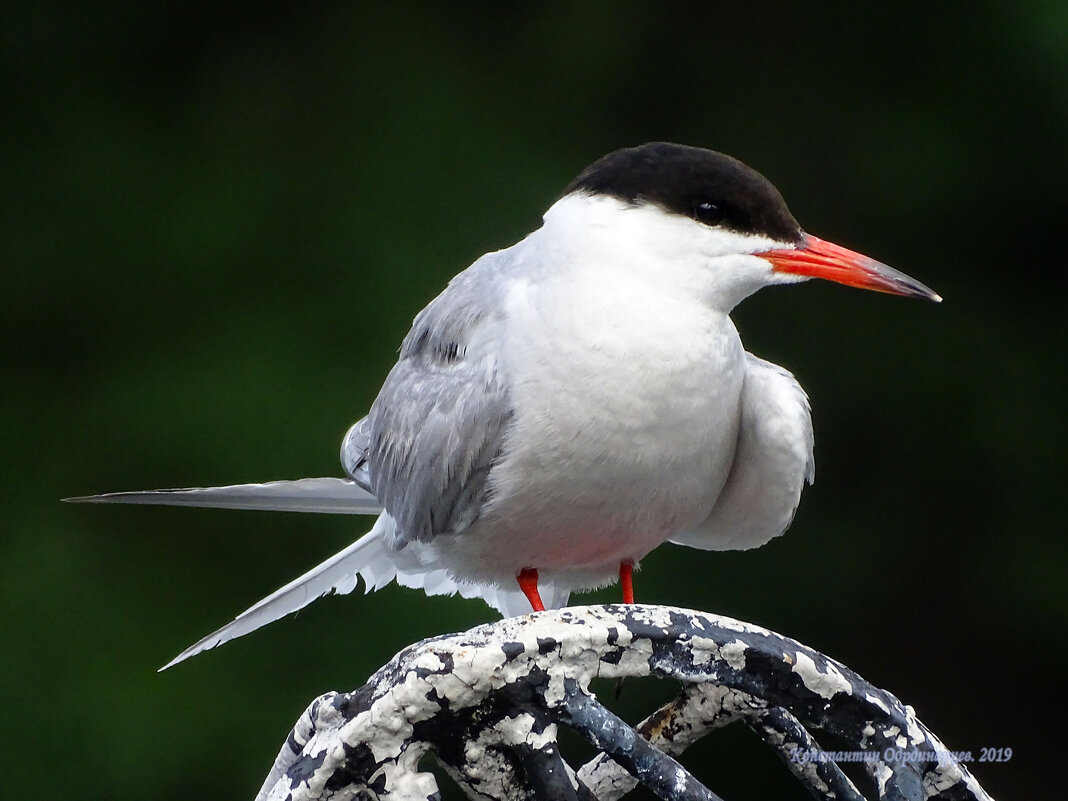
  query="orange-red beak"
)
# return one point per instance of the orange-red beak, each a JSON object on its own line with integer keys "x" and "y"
{"x": 818, "y": 258}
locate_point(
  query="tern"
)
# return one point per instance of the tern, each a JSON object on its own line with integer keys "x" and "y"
{"x": 570, "y": 403}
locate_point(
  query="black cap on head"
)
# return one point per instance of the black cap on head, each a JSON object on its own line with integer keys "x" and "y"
{"x": 701, "y": 184}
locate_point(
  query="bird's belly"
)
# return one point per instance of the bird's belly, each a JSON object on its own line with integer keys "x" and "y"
{"x": 623, "y": 434}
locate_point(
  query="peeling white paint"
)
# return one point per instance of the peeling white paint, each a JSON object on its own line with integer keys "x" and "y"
{"x": 520, "y": 729}
{"x": 882, "y": 776}
{"x": 733, "y": 654}
{"x": 428, "y": 660}
{"x": 706, "y": 650}
{"x": 874, "y": 699}
{"x": 944, "y": 776}
{"x": 916, "y": 734}
{"x": 826, "y": 685}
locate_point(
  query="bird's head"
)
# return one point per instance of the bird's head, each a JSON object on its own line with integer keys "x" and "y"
{"x": 709, "y": 221}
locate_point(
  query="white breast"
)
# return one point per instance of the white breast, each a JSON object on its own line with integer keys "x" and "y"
{"x": 625, "y": 407}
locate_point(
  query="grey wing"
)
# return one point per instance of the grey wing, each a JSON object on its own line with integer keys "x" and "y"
{"x": 437, "y": 426}
{"x": 772, "y": 461}
{"x": 354, "y": 448}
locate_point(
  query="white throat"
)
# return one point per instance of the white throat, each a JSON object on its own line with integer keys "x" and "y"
{"x": 671, "y": 252}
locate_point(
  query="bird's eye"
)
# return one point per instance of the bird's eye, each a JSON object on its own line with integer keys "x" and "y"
{"x": 706, "y": 212}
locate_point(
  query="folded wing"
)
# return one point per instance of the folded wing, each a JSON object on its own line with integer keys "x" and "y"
{"x": 439, "y": 422}
{"x": 772, "y": 463}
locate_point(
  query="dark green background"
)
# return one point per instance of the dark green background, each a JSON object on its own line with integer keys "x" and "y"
{"x": 218, "y": 223}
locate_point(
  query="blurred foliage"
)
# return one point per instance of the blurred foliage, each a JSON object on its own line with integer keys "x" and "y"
{"x": 218, "y": 222}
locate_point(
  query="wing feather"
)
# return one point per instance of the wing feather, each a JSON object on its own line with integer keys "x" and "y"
{"x": 324, "y": 495}
{"x": 772, "y": 462}
{"x": 437, "y": 426}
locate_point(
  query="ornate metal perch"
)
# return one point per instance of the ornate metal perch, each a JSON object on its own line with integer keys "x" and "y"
{"x": 487, "y": 704}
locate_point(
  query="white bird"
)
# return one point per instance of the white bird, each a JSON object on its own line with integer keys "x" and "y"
{"x": 569, "y": 403}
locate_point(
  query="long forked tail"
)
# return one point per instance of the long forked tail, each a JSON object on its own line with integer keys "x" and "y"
{"x": 370, "y": 559}
{"x": 339, "y": 496}
{"x": 366, "y": 558}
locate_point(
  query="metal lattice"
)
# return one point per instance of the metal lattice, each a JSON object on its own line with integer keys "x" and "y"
{"x": 488, "y": 703}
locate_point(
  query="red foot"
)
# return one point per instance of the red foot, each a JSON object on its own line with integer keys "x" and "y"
{"x": 528, "y": 583}
{"x": 626, "y": 578}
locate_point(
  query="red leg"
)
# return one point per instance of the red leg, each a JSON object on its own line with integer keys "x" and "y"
{"x": 528, "y": 583}
{"x": 626, "y": 578}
